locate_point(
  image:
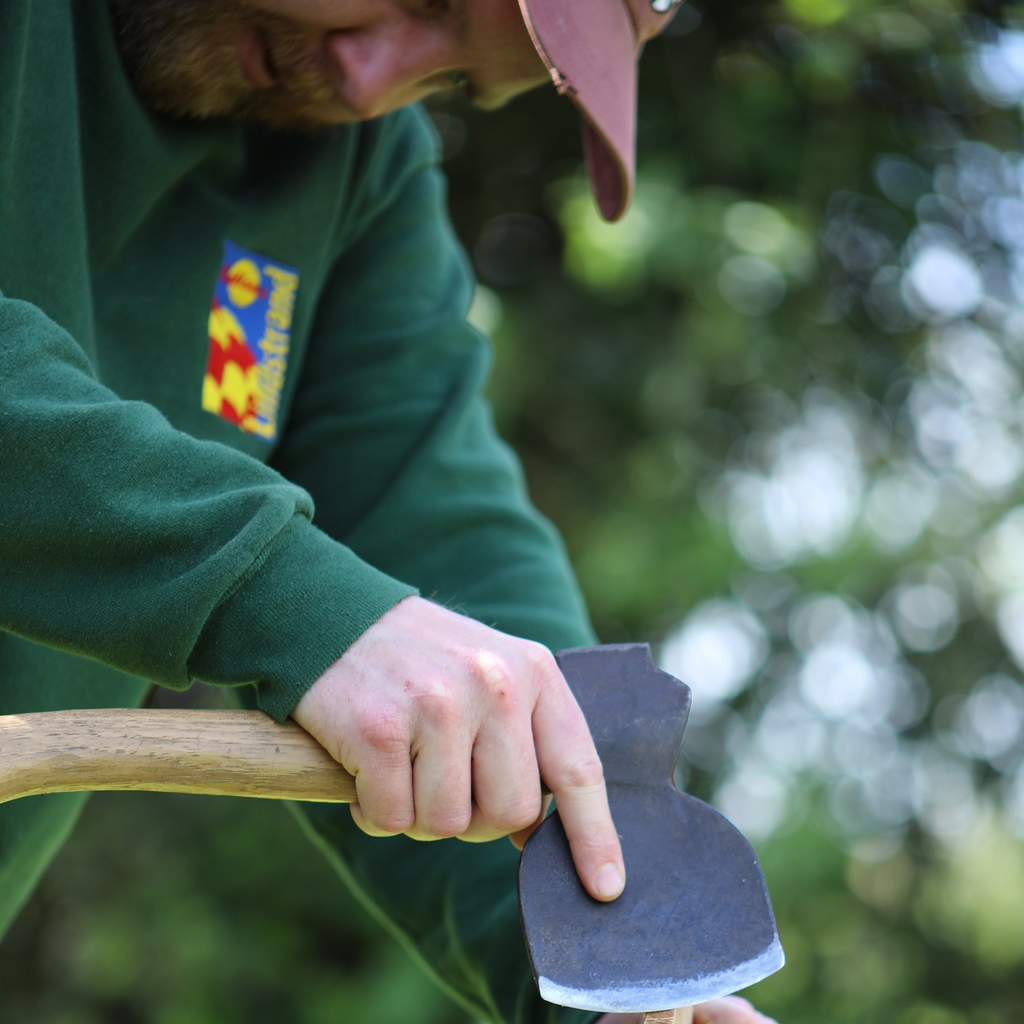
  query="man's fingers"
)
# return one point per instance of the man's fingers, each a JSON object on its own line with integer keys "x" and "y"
{"x": 371, "y": 830}
{"x": 385, "y": 804}
{"x": 506, "y": 779}
{"x": 570, "y": 766}
{"x": 518, "y": 839}
{"x": 504, "y": 801}
{"x": 383, "y": 774}
{"x": 442, "y": 790}
{"x": 729, "y": 1010}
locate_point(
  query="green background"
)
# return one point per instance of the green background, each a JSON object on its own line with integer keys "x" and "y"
{"x": 765, "y": 424}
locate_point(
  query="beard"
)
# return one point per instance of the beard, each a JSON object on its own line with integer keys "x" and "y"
{"x": 182, "y": 59}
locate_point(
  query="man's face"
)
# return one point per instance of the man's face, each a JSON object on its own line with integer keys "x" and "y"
{"x": 309, "y": 62}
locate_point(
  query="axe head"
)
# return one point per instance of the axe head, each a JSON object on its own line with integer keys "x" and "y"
{"x": 695, "y": 921}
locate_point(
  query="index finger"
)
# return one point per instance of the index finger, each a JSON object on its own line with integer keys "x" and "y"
{"x": 570, "y": 765}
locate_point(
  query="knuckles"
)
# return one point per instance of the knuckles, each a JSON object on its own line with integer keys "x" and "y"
{"x": 441, "y": 703}
{"x": 391, "y": 821}
{"x": 385, "y": 730}
{"x": 517, "y": 816}
{"x": 446, "y": 826}
{"x": 496, "y": 677}
{"x": 543, "y": 663}
{"x": 583, "y": 772}
{"x": 513, "y": 681}
{"x": 437, "y": 701}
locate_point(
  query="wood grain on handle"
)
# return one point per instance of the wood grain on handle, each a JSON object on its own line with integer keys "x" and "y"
{"x": 220, "y": 753}
{"x": 682, "y": 1015}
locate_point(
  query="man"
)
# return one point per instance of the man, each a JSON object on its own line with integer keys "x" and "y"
{"x": 161, "y": 451}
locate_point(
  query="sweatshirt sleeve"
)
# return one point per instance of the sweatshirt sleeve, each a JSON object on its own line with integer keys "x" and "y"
{"x": 392, "y": 436}
{"x": 390, "y": 431}
{"x": 126, "y": 541}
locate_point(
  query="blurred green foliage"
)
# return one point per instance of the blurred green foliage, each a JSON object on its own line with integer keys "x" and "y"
{"x": 753, "y": 302}
{"x": 193, "y": 910}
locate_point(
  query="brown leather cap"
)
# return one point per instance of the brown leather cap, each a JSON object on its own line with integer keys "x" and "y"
{"x": 591, "y": 48}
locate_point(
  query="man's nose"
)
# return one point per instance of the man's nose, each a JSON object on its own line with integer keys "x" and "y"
{"x": 379, "y": 65}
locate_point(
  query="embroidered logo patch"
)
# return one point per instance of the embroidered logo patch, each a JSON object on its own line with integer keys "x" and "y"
{"x": 250, "y": 332}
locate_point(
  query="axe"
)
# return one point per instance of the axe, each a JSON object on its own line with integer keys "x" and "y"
{"x": 694, "y": 922}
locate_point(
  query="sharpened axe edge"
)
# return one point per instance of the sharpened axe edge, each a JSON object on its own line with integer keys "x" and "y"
{"x": 643, "y": 998}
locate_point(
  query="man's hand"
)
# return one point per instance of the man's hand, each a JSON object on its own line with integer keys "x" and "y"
{"x": 730, "y": 1010}
{"x": 449, "y": 727}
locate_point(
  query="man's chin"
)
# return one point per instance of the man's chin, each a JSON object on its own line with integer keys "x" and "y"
{"x": 498, "y": 98}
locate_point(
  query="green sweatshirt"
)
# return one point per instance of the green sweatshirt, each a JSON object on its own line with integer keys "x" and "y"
{"x": 204, "y": 330}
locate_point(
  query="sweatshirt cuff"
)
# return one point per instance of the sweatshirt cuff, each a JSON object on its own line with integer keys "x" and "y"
{"x": 297, "y": 609}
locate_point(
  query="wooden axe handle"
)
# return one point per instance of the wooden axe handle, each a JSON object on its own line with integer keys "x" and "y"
{"x": 683, "y": 1015}
{"x": 220, "y": 753}
{"x": 217, "y": 753}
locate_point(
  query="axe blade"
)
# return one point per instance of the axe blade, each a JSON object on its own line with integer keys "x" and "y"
{"x": 695, "y": 921}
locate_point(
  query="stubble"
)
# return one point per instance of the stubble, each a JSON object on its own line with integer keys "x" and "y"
{"x": 182, "y": 59}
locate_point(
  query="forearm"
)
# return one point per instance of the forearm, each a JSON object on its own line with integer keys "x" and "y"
{"x": 131, "y": 543}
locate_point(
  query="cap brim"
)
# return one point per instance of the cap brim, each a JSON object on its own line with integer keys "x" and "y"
{"x": 591, "y": 50}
